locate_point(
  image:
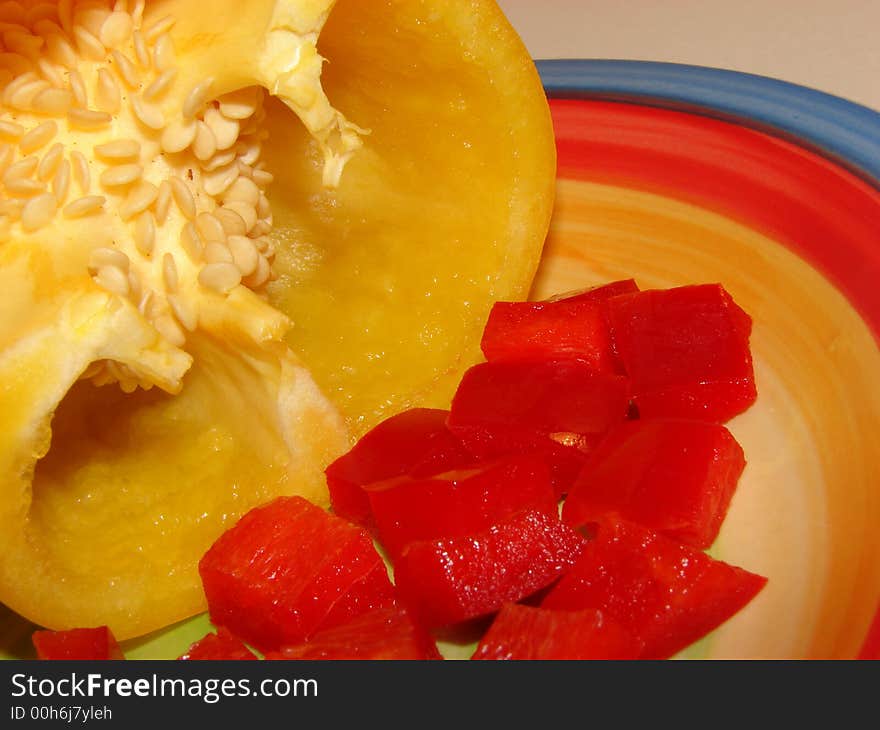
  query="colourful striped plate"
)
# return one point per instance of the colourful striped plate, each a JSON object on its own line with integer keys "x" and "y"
{"x": 677, "y": 174}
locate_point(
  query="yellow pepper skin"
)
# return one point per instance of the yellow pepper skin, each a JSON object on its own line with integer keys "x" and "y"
{"x": 231, "y": 242}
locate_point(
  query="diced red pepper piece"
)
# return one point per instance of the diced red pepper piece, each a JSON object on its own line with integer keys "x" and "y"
{"x": 460, "y": 502}
{"x": 664, "y": 593}
{"x": 386, "y": 633}
{"x": 559, "y": 409}
{"x": 544, "y": 330}
{"x": 222, "y": 645}
{"x": 564, "y": 453}
{"x": 453, "y": 579}
{"x": 686, "y": 351}
{"x": 414, "y": 440}
{"x": 569, "y": 326}
{"x": 553, "y": 397}
{"x": 90, "y": 644}
{"x": 676, "y": 477}
{"x": 531, "y": 632}
{"x": 288, "y": 569}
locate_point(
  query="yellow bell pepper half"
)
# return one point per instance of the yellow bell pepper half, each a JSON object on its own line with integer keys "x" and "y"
{"x": 234, "y": 237}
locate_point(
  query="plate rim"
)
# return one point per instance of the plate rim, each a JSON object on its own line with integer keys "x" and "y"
{"x": 843, "y": 131}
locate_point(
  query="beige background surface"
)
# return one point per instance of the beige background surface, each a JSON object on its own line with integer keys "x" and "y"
{"x": 831, "y": 46}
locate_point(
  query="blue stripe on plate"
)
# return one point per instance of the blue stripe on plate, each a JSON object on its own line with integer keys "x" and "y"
{"x": 840, "y": 129}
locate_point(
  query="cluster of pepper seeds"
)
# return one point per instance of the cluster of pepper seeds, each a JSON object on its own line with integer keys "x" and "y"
{"x": 89, "y": 75}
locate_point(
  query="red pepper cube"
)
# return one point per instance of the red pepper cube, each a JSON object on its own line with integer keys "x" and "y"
{"x": 459, "y": 503}
{"x": 416, "y": 440}
{"x": 222, "y": 645}
{"x": 686, "y": 351}
{"x": 546, "y": 330}
{"x": 563, "y": 453}
{"x": 531, "y": 632}
{"x": 559, "y": 409}
{"x": 664, "y": 593}
{"x": 569, "y": 326}
{"x": 453, "y": 579}
{"x": 675, "y": 477}
{"x": 288, "y": 569}
{"x": 386, "y": 633}
{"x": 554, "y": 398}
{"x": 89, "y": 644}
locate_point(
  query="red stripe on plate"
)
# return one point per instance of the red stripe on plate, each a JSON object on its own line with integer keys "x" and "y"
{"x": 871, "y": 649}
{"x": 814, "y": 207}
